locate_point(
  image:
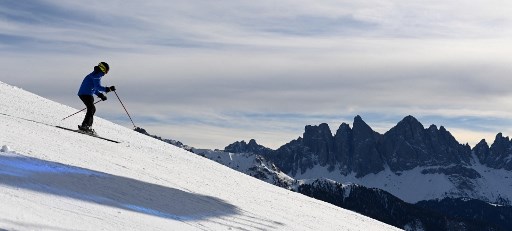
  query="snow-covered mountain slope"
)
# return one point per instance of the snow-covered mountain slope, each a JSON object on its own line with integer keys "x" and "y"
{"x": 410, "y": 161}
{"x": 250, "y": 164}
{"x": 53, "y": 179}
{"x": 475, "y": 181}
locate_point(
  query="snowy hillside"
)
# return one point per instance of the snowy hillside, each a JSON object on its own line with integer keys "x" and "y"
{"x": 53, "y": 179}
{"x": 430, "y": 183}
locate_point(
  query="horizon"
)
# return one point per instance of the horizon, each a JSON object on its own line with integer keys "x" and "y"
{"x": 209, "y": 74}
{"x": 334, "y": 129}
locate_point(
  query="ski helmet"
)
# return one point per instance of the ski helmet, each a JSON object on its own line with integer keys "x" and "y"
{"x": 104, "y": 67}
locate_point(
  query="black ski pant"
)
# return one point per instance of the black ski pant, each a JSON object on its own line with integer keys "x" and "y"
{"x": 91, "y": 109}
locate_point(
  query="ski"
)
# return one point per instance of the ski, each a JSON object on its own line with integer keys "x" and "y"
{"x": 78, "y": 131}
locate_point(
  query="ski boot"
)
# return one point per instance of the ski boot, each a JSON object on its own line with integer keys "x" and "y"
{"x": 87, "y": 130}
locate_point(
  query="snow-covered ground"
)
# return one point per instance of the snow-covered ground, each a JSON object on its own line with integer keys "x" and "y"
{"x": 250, "y": 164}
{"x": 412, "y": 186}
{"x": 53, "y": 179}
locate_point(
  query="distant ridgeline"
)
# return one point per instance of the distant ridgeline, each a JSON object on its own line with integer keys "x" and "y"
{"x": 408, "y": 177}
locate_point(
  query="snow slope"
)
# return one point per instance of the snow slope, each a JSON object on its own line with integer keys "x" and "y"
{"x": 494, "y": 185}
{"x": 250, "y": 164}
{"x": 53, "y": 179}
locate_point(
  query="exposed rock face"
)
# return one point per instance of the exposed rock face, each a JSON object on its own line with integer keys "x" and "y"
{"x": 320, "y": 141}
{"x": 343, "y": 144}
{"x": 363, "y": 151}
{"x": 366, "y": 158}
{"x": 457, "y": 170}
{"x": 294, "y": 157}
{"x": 352, "y": 150}
{"x": 498, "y": 156}
{"x": 251, "y": 147}
{"x": 408, "y": 148}
{"x": 409, "y": 145}
{"x": 360, "y": 150}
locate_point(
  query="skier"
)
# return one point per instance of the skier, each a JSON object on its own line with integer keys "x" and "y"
{"x": 91, "y": 85}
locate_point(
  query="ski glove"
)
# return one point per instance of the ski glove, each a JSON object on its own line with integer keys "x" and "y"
{"x": 111, "y": 88}
{"x": 102, "y": 96}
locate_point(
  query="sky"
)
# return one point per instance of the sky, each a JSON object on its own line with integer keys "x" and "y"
{"x": 208, "y": 73}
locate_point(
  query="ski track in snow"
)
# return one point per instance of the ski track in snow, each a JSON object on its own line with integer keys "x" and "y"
{"x": 53, "y": 179}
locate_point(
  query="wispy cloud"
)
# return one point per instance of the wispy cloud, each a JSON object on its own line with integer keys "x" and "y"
{"x": 236, "y": 68}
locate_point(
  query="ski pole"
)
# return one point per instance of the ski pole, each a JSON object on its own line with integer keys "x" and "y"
{"x": 81, "y": 110}
{"x": 125, "y": 109}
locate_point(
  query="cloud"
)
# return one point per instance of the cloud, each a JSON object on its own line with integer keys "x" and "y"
{"x": 204, "y": 70}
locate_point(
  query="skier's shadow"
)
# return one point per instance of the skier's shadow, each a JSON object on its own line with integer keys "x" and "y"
{"x": 106, "y": 189}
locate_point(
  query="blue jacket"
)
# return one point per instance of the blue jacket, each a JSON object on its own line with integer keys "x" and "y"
{"x": 92, "y": 84}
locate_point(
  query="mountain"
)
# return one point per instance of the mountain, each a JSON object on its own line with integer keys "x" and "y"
{"x": 409, "y": 145}
{"x": 446, "y": 214}
{"x": 350, "y": 150}
{"x": 372, "y": 202}
{"x": 425, "y": 174}
{"x": 240, "y": 159}
{"x": 362, "y": 151}
{"x": 251, "y": 147}
{"x": 410, "y": 161}
{"x": 253, "y": 165}
{"x": 53, "y": 179}
{"x": 498, "y": 156}
{"x": 387, "y": 208}
{"x": 437, "y": 215}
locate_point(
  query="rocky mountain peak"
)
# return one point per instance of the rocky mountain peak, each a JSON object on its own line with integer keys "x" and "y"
{"x": 319, "y": 140}
{"x": 364, "y": 157}
{"x": 321, "y": 130}
{"x": 442, "y": 129}
{"x": 251, "y": 147}
{"x": 344, "y": 131}
{"x": 501, "y": 140}
{"x": 409, "y": 128}
{"x": 433, "y": 128}
{"x": 252, "y": 143}
{"x": 361, "y": 150}
{"x": 409, "y": 145}
{"x": 361, "y": 127}
{"x": 482, "y": 150}
{"x": 410, "y": 120}
{"x": 501, "y": 145}
{"x": 499, "y": 155}
{"x": 344, "y": 127}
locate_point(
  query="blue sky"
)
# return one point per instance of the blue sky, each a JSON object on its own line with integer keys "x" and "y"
{"x": 209, "y": 73}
